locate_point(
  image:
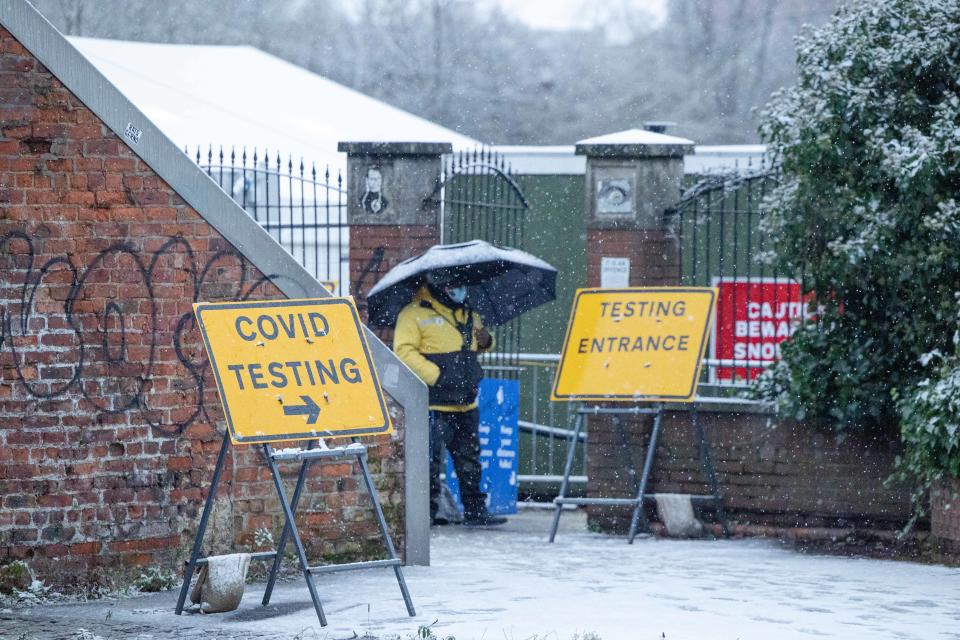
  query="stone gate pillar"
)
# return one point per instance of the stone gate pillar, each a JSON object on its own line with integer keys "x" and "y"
{"x": 390, "y": 209}
{"x": 632, "y": 178}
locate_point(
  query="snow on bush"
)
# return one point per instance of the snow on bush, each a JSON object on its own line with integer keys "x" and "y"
{"x": 868, "y": 142}
{"x": 155, "y": 579}
{"x": 930, "y": 422}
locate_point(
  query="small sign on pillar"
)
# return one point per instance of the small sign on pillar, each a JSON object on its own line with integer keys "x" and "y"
{"x": 614, "y": 273}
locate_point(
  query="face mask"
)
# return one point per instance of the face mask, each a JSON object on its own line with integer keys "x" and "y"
{"x": 457, "y": 294}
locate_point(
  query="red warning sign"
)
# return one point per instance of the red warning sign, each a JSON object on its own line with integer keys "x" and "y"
{"x": 753, "y": 317}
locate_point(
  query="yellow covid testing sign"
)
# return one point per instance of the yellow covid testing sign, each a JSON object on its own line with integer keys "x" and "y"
{"x": 292, "y": 369}
{"x": 635, "y": 344}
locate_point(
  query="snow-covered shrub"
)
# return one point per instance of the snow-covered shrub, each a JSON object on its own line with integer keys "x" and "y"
{"x": 868, "y": 141}
{"x": 930, "y": 421}
{"x": 15, "y": 576}
{"x": 263, "y": 538}
{"x": 155, "y": 579}
{"x": 931, "y": 425}
{"x": 425, "y": 632}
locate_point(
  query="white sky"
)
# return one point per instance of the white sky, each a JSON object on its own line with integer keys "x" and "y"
{"x": 621, "y": 19}
{"x": 570, "y": 14}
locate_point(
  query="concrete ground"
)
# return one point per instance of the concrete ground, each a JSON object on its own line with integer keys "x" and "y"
{"x": 508, "y": 584}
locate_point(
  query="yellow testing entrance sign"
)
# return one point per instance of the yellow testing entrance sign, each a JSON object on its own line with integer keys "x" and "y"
{"x": 635, "y": 344}
{"x": 292, "y": 369}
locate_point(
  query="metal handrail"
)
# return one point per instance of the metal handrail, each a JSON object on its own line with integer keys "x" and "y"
{"x": 533, "y": 427}
{"x": 543, "y": 422}
{"x": 525, "y": 358}
{"x": 522, "y": 357}
{"x": 550, "y": 479}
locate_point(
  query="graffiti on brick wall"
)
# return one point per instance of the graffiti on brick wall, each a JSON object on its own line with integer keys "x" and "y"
{"x": 118, "y": 330}
{"x": 369, "y": 269}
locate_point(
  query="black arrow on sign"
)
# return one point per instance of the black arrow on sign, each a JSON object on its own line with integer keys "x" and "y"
{"x": 309, "y": 408}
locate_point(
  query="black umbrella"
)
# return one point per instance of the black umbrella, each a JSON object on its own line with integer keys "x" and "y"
{"x": 502, "y": 283}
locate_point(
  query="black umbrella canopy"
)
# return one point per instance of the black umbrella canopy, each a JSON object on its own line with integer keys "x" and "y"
{"x": 502, "y": 283}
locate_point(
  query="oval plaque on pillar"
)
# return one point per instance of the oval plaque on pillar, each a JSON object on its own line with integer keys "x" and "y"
{"x": 614, "y": 197}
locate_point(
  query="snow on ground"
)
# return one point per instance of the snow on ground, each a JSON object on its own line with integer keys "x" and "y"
{"x": 510, "y": 584}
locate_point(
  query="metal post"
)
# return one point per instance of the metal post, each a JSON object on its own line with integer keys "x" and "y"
{"x": 707, "y": 461}
{"x": 204, "y": 517}
{"x": 301, "y": 554}
{"x": 626, "y": 452}
{"x": 536, "y": 420}
{"x": 362, "y": 457}
{"x": 281, "y": 545}
{"x": 647, "y": 466}
{"x": 571, "y": 449}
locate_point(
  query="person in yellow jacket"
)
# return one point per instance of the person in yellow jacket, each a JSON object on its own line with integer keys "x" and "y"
{"x": 438, "y": 336}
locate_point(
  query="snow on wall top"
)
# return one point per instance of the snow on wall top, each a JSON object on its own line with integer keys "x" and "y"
{"x": 635, "y": 136}
{"x": 239, "y": 96}
{"x": 562, "y": 159}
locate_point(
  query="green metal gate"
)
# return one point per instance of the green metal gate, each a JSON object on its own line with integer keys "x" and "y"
{"x": 479, "y": 199}
{"x": 723, "y": 242}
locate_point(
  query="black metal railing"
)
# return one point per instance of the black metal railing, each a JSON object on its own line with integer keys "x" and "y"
{"x": 302, "y": 208}
{"x": 723, "y": 243}
{"x": 480, "y": 199}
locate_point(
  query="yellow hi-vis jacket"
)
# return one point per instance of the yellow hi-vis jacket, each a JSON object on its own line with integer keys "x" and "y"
{"x": 425, "y": 326}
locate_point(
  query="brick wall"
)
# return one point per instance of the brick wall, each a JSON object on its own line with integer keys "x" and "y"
{"x": 654, "y": 259}
{"x": 395, "y": 243}
{"x": 109, "y": 418}
{"x": 771, "y": 474}
{"x": 945, "y": 514}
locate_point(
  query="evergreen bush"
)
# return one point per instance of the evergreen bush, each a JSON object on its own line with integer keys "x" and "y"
{"x": 868, "y": 210}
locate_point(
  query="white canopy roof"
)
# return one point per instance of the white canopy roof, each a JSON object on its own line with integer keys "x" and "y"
{"x": 239, "y": 96}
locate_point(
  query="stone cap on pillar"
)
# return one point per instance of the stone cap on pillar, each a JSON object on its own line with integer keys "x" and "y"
{"x": 383, "y": 149}
{"x": 635, "y": 143}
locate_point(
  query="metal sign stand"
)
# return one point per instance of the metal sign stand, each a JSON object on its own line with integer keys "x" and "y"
{"x": 640, "y": 486}
{"x": 306, "y": 457}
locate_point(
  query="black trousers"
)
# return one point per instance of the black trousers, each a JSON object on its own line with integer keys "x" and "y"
{"x": 457, "y": 431}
